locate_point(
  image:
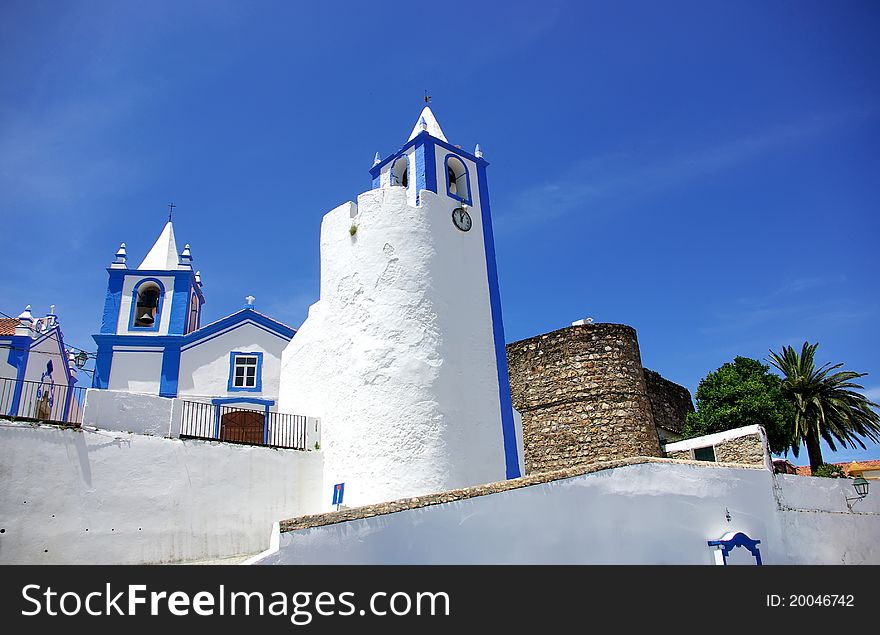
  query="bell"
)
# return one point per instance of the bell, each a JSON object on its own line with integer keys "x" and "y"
{"x": 146, "y": 318}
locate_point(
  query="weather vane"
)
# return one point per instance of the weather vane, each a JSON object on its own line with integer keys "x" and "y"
{"x": 427, "y": 97}
{"x": 171, "y": 207}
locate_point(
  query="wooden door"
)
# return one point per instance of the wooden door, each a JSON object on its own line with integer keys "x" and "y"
{"x": 244, "y": 426}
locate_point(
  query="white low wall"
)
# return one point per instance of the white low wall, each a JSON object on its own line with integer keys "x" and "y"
{"x": 101, "y": 497}
{"x": 651, "y": 513}
{"x": 129, "y": 412}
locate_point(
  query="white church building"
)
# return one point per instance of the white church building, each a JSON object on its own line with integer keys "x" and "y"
{"x": 402, "y": 358}
{"x": 396, "y": 385}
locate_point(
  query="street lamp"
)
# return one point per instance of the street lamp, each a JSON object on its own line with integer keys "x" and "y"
{"x": 861, "y": 486}
{"x": 81, "y": 358}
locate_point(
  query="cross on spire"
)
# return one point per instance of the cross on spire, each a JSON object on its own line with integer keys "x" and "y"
{"x": 171, "y": 207}
{"x": 427, "y": 97}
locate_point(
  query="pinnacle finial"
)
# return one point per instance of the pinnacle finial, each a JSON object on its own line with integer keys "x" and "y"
{"x": 377, "y": 159}
{"x": 249, "y": 302}
{"x": 26, "y": 316}
{"x": 478, "y": 152}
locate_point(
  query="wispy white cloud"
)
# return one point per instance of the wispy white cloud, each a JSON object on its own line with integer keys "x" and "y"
{"x": 624, "y": 178}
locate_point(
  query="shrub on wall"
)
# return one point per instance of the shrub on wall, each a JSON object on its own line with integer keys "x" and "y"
{"x": 829, "y": 470}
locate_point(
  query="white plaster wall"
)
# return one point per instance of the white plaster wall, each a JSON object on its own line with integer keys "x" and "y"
{"x": 204, "y": 368}
{"x": 136, "y": 371}
{"x": 128, "y": 412}
{"x": 98, "y": 497}
{"x": 397, "y": 357}
{"x": 7, "y": 370}
{"x": 128, "y": 286}
{"x": 641, "y": 514}
{"x": 385, "y": 176}
{"x": 40, "y": 355}
{"x": 815, "y": 513}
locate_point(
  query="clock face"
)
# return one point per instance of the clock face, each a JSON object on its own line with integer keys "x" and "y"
{"x": 461, "y": 219}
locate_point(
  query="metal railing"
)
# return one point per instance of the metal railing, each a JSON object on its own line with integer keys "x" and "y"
{"x": 44, "y": 401}
{"x": 238, "y": 424}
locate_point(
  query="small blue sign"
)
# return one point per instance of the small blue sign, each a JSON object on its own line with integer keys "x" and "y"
{"x": 338, "y": 491}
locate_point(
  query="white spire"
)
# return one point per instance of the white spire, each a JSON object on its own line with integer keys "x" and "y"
{"x": 163, "y": 255}
{"x": 121, "y": 257}
{"x": 430, "y": 124}
{"x": 26, "y": 317}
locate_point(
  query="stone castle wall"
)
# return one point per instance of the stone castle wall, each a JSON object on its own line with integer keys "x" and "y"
{"x": 583, "y": 397}
{"x": 670, "y": 404}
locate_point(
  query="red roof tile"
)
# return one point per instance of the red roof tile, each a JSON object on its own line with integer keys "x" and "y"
{"x": 870, "y": 464}
{"x": 7, "y": 326}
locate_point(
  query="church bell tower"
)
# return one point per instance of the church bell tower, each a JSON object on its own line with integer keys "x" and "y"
{"x": 403, "y": 357}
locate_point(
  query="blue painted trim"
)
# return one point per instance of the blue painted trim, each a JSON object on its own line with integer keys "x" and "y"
{"x": 430, "y": 153}
{"x": 739, "y": 540}
{"x": 205, "y": 333}
{"x": 222, "y": 401}
{"x": 508, "y": 428}
{"x": 467, "y": 179}
{"x": 168, "y": 381}
{"x": 67, "y": 400}
{"x": 230, "y": 387}
{"x": 19, "y": 351}
{"x": 179, "y": 307}
{"x": 103, "y": 363}
{"x": 113, "y": 301}
{"x": 425, "y": 138}
{"x": 131, "y": 315}
{"x": 203, "y": 340}
{"x": 241, "y": 316}
{"x": 421, "y": 176}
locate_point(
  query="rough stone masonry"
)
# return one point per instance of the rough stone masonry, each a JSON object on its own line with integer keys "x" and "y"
{"x": 584, "y": 397}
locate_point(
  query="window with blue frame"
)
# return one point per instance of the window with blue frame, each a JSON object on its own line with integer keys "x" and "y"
{"x": 245, "y": 372}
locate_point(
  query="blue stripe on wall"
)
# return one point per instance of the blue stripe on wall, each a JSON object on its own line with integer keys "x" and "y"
{"x": 19, "y": 352}
{"x": 508, "y": 429}
{"x": 103, "y": 362}
{"x": 421, "y": 183}
{"x": 170, "y": 371}
{"x": 179, "y": 305}
{"x": 113, "y": 300}
{"x": 430, "y": 153}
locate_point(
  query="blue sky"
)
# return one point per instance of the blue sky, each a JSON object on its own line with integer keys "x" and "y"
{"x": 706, "y": 172}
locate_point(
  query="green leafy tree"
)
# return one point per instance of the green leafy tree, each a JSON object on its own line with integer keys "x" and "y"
{"x": 826, "y": 403}
{"x": 739, "y": 394}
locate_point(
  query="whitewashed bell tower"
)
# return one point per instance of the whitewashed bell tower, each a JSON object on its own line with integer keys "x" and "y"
{"x": 403, "y": 356}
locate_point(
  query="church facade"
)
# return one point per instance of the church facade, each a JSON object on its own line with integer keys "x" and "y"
{"x": 152, "y": 340}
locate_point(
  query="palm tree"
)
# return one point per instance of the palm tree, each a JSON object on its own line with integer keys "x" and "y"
{"x": 826, "y": 403}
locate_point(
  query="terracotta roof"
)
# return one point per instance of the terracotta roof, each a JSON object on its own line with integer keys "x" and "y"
{"x": 870, "y": 464}
{"x": 7, "y": 326}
